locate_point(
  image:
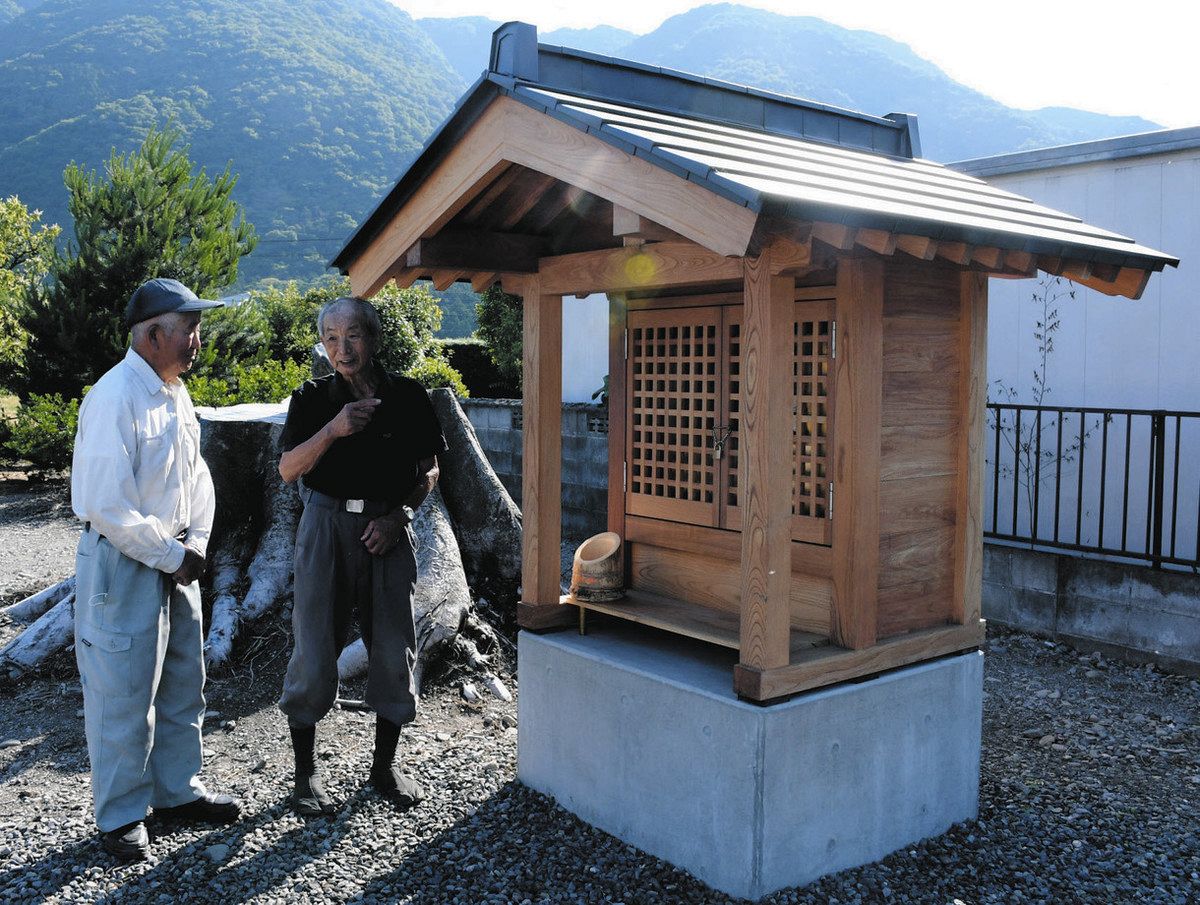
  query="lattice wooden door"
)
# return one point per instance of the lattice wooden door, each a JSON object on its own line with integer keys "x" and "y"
{"x": 812, "y": 428}
{"x": 684, "y": 402}
{"x": 675, "y": 363}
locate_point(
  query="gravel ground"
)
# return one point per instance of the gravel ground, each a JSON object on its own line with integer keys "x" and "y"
{"x": 1090, "y": 790}
{"x": 38, "y": 534}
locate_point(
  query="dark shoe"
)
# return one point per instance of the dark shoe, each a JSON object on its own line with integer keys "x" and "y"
{"x": 309, "y": 797}
{"x": 398, "y": 788}
{"x": 209, "y": 809}
{"x": 130, "y": 842}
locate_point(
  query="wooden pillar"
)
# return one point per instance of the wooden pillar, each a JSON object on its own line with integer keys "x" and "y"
{"x": 858, "y": 379}
{"x": 968, "y": 531}
{"x": 618, "y": 318}
{"x": 765, "y": 452}
{"x": 541, "y": 467}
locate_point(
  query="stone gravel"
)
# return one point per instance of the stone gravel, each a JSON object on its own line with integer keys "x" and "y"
{"x": 1090, "y": 789}
{"x": 38, "y": 535}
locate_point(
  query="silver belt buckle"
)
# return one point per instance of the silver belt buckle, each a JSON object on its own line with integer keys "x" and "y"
{"x": 354, "y": 505}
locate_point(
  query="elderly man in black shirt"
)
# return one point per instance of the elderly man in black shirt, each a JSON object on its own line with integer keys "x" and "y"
{"x": 365, "y": 443}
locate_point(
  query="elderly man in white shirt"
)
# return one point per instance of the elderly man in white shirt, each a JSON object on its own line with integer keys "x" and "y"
{"x": 146, "y": 498}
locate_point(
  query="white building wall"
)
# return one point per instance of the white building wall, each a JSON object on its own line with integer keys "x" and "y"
{"x": 585, "y": 346}
{"x": 1112, "y": 352}
{"x": 1109, "y": 352}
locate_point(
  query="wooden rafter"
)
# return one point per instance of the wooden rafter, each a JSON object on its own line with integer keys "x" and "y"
{"x": 509, "y": 132}
{"x": 488, "y": 196}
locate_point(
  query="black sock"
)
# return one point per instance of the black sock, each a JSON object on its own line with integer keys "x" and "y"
{"x": 387, "y": 734}
{"x": 303, "y": 742}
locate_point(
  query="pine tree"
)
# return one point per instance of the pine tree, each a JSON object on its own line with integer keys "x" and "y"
{"x": 147, "y": 216}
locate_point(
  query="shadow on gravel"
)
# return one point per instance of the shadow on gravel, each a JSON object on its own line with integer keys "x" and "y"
{"x": 519, "y": 845}
{"x": 257, "y": 875}
{"x": 58, "y": 868}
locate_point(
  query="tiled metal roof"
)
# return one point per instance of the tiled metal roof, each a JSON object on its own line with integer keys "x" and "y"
{"x": 784, "y": 156}
{"x": 816, "y": 181}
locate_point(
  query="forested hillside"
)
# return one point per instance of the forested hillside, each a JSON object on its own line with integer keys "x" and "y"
{"x": 319, "y": 104}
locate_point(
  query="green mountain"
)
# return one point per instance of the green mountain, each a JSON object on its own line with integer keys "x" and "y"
{"x": 808, "y": 57}
{"x": 318, "y": 104}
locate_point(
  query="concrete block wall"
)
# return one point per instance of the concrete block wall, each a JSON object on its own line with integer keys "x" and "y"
{"x": 1128, "y": 610}
{"x": 497, "y": 423}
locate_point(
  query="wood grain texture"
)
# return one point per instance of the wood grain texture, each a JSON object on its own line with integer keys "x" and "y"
{"x": 915, "y": 556}
{"x": 916, "y": 504}
{"x": 859, "y": 391}
{"x": 807, "y": 559}
{"x": 657, "y": 266}
{"x": 820, "y": 667}
{"x": 917, "y": 605}
{"x": 914, "y": 397}
{"x": 716, "y": 583}
{"x": 677, "y": 617}
{"x": 510, "y": 132}
{"x": 765, "y": 461}
{"x": 968, "y": 572}
{"x": 919, "y": 450}
{"x": 542, "y": 451}
{"x": 922, "y": 345}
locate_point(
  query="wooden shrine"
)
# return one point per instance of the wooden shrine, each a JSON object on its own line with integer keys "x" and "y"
{"x": 797, "y": 345}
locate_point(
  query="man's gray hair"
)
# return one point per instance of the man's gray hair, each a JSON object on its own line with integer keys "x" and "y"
{"x": 361, "y": 308}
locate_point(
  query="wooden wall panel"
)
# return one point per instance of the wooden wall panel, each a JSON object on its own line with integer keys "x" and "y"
{"x": 716, "y": 583}
{"x": 858, "y": 376}
{"x": 918, "y": 451}
{"x": 920, "y": 460}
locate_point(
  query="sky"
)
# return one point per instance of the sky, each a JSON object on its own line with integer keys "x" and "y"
{"x": 1098, "y": 55}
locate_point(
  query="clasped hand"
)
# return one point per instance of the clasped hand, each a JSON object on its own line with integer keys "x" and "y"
{"x": 382, "y": 534}
{"x": 190, "y": 569}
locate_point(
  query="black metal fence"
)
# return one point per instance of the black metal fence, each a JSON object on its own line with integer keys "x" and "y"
{"x": 1105, "y": 482}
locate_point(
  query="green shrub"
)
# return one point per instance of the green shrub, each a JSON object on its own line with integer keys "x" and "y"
{"x": 43, "y": 432}
{"x": 410, "y": 319}
{"x": 267, "y": 381}
{"x": 471, "y": 359}
{"x": 212, "y": 391}
{"x": 500, "y": 319}
{"x": 270, "y": 381}
{"x": 432, "y": 373}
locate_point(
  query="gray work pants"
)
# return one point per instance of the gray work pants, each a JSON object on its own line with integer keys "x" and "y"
{"x": 334, "y": 575}
{"x": 140, "y": 653}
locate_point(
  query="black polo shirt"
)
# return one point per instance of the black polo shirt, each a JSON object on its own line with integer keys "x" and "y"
{"x": 380, "y": 461}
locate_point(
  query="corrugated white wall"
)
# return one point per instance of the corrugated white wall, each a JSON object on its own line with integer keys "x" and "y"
{"x": 1113, "y": 352}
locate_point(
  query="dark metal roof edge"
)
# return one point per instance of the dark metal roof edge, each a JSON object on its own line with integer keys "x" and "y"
{"x": 468, "y": 108}
{"x": 937, "y": 229}
{"x": 733, "y": 87}
{"x": 1142, "y": 144}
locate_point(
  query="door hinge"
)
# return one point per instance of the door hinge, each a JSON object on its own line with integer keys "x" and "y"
{"x": 625, "y": 343}
{"x": 829, "y": 502}
{"x": 833, "y": 339}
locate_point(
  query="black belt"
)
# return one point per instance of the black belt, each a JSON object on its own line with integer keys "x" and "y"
{"x": 87, "y": 526}
{"x": 369, "y": 508}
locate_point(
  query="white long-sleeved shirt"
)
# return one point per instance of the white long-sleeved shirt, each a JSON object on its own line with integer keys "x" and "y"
{"x": 137, "y": 474}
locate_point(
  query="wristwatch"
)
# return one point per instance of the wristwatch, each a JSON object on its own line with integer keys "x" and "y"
{"x": 409, "y": 515}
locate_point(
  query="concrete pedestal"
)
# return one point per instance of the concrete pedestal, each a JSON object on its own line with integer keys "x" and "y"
{"x": 639, "y": 733}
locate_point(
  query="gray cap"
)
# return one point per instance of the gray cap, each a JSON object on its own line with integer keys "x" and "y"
{"x": 160, "y": 296}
